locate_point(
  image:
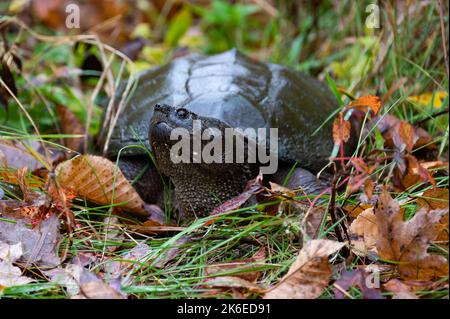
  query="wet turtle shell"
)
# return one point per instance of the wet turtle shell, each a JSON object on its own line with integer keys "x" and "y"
{"x": 243, "y": 93}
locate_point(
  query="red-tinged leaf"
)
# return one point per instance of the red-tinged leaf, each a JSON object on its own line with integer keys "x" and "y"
{"x": 359, "y": 164}
{"x": 253, "y": 187}
{"x": 355, "y": 182}
{"x": 368, "y": 102}
{"x": 368, "y": 188}
{"x": 341, "y": 130}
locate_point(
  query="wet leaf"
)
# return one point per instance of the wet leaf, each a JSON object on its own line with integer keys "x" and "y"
{"x": 309, "y": 275}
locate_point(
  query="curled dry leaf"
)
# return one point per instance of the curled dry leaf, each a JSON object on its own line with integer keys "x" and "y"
{"x": 99, "y": 180}
{"x": 406, "y": 243}
{"x": 310, "y": 273}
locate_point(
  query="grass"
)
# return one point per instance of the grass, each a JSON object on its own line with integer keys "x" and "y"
{"x": 329, "y": 41}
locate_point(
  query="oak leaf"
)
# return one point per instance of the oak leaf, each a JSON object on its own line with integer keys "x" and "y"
{"x": 310, "y": 273}
{"x": 406, "y": 242}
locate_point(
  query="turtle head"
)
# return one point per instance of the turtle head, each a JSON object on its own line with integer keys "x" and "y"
{"x": 177, "y": 137}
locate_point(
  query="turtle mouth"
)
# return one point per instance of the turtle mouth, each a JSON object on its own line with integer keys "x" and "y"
{"x": 161, "y": 131}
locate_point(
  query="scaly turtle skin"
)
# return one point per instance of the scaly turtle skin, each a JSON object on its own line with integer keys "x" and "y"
{"x": 235, "y": 91}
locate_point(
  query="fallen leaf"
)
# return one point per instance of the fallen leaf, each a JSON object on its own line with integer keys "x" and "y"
{"x": 437, "y": 198}
{"x": 39, "y": 243}
{"x": 114, "y": 234}
{"x": 99, "y": 180}
{"x": 17, "y": 154}
{"x": 129, "y": 262}
{"x": 310, "y": 273}
{"x": 98, "y": 290}
{"x": 357, "y": 278}
{"x": 243, "y": 268}
{"x": 71, "y": 125}
{"x": 231, "y": 282}
{"x": 406, "y": 242}
{"x": 341, "y": 130}
{"x": 364, "y": 233}
{"x": 11, "y": 275}
{"x": 405, "y": 136}
{"x": 426, "y": 99}
{"x": 400, "y": 289}
{"x": 363, "y": 103}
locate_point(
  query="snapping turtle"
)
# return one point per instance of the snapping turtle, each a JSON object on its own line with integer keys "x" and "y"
{"x": 228, "y": 90}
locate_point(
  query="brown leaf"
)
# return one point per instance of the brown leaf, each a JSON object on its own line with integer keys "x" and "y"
{"x": 406, "y": 243}
{"x": 99, "y": 180}
{"x": 97, "y": 290}
{"x": 405, "y": 136}
{"x": 437, "y": 198}
{"x": 400, "y": 289}
{"x": 309, "y": 275}
{"x": 239, "y": 268}
{"x": 341, "y": 130}
{"x": 71, "y": 125}
{"x": 313, "y": 220}
{"x": 434, "y": 198}
{"x": 364, "y": 233}
{"x": 363, "y": 103}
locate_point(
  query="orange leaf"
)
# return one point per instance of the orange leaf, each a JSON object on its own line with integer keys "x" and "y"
{"x": 406, "y": 134}
{"x": 372, "y": 102}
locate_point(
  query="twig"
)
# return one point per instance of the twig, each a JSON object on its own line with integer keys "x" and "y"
{"x": 433, "y": 116}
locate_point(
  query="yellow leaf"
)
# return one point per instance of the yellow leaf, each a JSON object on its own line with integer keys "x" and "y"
{"x": 426, "y": 99}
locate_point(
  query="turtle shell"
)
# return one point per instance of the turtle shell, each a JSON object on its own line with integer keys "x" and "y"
{"x": 243, "y": 93}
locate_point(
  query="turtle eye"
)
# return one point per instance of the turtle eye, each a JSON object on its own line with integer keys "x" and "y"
{"x": 182, "y": 113}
